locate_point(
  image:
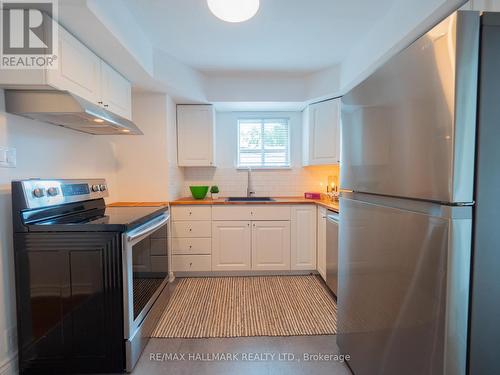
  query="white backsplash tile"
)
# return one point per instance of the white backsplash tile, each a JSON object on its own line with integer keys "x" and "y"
{"x": 233, "y": 182}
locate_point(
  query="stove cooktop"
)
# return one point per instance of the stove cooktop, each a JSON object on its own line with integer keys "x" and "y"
{"x": 115, "y": 219}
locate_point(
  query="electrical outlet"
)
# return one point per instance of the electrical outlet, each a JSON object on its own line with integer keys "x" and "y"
{"x": 8, "y": 157}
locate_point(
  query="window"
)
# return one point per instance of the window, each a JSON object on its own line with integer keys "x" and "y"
{"x": 263, "y": 143}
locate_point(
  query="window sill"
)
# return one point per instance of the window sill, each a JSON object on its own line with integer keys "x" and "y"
{"x": 263, "y": 168}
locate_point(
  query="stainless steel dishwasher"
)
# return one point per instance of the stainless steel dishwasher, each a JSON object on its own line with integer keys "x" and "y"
{"x": 332, "y": 250}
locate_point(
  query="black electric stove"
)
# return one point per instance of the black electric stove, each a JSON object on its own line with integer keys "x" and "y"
{"x": 41, "y": 205}
{"x": 81, "y": 268}
{"x": 106, "y": 219}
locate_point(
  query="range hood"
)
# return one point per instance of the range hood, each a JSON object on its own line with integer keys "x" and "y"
{"x": 68, "y": 110}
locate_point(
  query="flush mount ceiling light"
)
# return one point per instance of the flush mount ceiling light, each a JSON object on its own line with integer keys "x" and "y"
{"x": 233, "y": 10}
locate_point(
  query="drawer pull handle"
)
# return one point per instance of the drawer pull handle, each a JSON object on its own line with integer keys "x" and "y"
{"x": 190, "y": 246}
{"x": 190, "y": 264}
{"x": 190, "y": 213}
{"x": 190, "y": 229}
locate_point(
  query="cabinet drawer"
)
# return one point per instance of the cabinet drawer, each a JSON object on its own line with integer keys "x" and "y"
{"x": 251, "y": 212}
{"x": 185, "y": 263}
{"x": 191, "y": 229}
{"x": 191, "y": 246}
{"x": 192, "y": 213}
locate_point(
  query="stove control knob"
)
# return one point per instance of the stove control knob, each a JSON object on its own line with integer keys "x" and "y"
{"x": 103, "y": 187}
{"x": 52, "y": 191}
{"x": 38, "y": 193}
{"x": 96, "y": 188}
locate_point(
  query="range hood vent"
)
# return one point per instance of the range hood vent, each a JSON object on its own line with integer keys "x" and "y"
{"x": 65, "y": 109}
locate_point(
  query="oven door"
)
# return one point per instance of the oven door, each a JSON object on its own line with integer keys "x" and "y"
{"x": 145, "y": 270}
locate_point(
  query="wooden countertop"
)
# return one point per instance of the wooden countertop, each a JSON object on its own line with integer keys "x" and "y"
{"x": 277, "y": 200}
{"x": 334, "y": 206}
{"x": 138, "y": 204}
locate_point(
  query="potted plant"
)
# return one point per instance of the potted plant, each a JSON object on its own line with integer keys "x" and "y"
{"x": 214, "y": 190}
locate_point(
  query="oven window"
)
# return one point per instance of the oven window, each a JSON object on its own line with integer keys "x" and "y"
{"x": 150, "y": 268}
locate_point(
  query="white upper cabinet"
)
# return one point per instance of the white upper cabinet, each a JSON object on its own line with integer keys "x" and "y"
{"x": 321, "y": 133}
{"x": 78, "y": 71}
{"x": 195, "y": 136}
{"x": 116, "y": 92}
{"x": 303, "y": 237}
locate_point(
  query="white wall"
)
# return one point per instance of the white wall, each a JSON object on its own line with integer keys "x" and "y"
{"x": 279, "y": 182}
{"x": 255, "y": 87}
{"x": 483, "y": 5}
{"x": 144, "y": 163}
{"x": 137, "y": 156}
{"x": 323, "y": 84}
{"x": 43, "y": 150}
{"x": 174, "y": 173}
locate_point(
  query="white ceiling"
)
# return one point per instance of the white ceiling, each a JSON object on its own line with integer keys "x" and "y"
{"x": 292, "y": 36}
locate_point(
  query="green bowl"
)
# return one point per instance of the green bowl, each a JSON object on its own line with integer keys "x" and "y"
{"x": 199, "y": 192}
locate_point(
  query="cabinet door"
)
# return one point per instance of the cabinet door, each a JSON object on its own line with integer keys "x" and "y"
{"x": 324, "y": 133}
{"x": 116, "y": 92}
{"x": 79, "y": 69}
{"x": 321, "y": 242}
{"x": 231, "y": 246}
{"x": 195, "y": 135}
{"x": 271, "y": 245}
{"x": 303, "y": 237}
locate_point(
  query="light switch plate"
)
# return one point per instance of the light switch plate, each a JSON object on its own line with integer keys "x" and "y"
{"x": 8, "y": 157}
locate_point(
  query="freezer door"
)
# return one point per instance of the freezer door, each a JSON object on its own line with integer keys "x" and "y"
{"x": 409, "y": 129}
{"x": 403, "y": 286}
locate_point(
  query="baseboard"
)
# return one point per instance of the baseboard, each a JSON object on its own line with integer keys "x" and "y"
{"x": 9, "y": 366}
{"x": 243, "y": 273}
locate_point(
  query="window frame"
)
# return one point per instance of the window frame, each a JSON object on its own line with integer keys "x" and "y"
{"x": 262, "y": 120}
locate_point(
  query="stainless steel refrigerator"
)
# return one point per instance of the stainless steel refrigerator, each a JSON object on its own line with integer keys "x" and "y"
{"x": 408, "y": 151}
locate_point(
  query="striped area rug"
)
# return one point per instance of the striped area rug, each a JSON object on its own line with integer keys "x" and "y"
{"x": 248, "y": 306}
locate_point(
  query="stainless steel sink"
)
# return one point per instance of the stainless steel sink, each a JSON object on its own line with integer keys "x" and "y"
{"x": 249, "y": 199}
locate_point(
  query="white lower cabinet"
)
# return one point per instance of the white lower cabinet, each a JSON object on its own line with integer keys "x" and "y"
{"x": 191, "y": 246}
{"x": 231, "y": 246}
{"x": 321, "y": 259}
{"x": 191, "y": 229}
{"x": 303, "y": 237}
{"x": 191, "y": 263}
{"x": 270, "y": 245}
{"x": 248, "y": 238}
{"x": 191, "y": 241}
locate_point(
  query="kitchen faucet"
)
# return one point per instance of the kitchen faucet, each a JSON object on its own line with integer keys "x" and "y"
{"x": 250, "y": 191}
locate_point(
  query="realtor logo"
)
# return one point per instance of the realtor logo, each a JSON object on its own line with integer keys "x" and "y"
{"x": 29, "y": 34}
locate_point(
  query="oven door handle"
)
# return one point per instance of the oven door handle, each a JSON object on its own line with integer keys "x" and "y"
{"x": 150, "y": 227}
